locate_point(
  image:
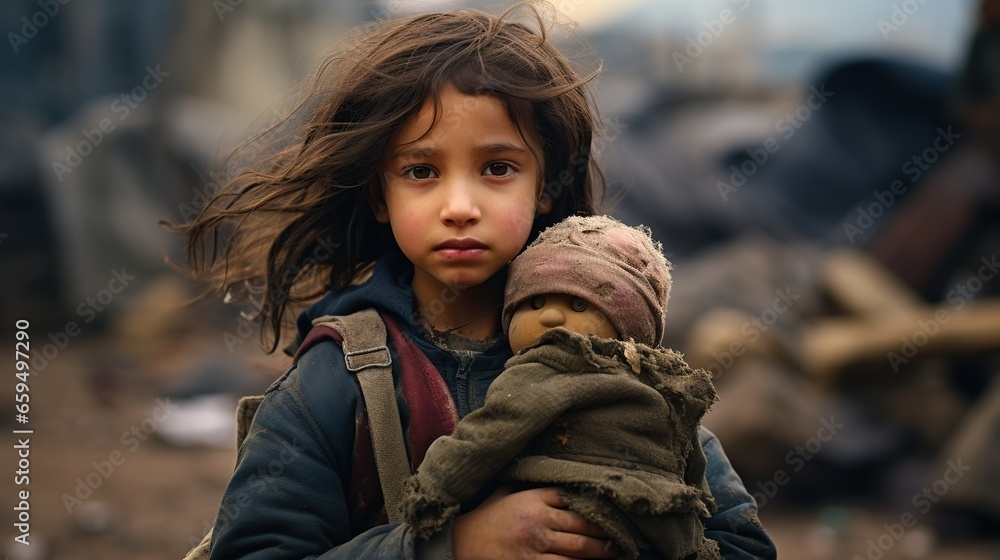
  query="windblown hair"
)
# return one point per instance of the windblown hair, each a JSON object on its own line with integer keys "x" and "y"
{"x": 300, "y": 223}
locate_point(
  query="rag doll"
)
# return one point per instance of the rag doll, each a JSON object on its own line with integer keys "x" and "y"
{"x": 589, "y": 402}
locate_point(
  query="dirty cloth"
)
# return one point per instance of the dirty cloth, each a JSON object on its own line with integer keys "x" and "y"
{"x": 614, "y": 424}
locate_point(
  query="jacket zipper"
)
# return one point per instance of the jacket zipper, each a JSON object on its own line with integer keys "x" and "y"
{"x": 465, "y": 360}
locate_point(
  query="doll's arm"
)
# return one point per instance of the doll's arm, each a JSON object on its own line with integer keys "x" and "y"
{"x": 520, "y": 404}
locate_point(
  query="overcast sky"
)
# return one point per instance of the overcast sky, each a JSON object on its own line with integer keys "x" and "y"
{"x": 937, "y": 31}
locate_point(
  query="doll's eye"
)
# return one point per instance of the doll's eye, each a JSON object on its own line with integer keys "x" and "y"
{"x": 538, "y": 302}
{"x": 578, "y": 304}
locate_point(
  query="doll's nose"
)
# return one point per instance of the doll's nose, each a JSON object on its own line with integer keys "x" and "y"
{"x": 552, "y": 318}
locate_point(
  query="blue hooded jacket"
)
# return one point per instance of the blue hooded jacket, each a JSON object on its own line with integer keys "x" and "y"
{"x": 287, "y": 496}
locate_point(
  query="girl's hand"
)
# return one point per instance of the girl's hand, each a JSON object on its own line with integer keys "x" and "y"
{"x": 530, "y": 524}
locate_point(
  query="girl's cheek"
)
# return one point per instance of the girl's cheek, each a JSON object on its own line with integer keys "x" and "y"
{"x": 521, "y": 222}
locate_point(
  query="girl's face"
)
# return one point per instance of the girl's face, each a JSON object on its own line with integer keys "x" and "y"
{"x": 461, "y": 195}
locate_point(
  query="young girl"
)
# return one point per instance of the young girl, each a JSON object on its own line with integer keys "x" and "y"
{"x": 446, "y": 143}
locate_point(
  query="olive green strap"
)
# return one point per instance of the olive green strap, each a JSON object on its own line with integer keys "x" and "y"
{"x": 367, "y": 356}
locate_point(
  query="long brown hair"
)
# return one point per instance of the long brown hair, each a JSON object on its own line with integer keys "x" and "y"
{"x": 300, "y": 222}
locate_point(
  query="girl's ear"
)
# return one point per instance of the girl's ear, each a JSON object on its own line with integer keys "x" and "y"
{"x": 377, "y": 204}
{"x": 544, "y": 203}
{"x": 381, "y": 212}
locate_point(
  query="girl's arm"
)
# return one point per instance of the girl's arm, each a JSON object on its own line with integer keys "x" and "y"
{"x": 286, "y": 498}
{"x": 735, "y": 526}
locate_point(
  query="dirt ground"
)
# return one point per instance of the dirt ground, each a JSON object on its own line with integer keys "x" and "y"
{"x": 149, "y": 500}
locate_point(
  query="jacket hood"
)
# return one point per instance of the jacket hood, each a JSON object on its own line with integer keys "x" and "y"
{"x": 388, "y": 288}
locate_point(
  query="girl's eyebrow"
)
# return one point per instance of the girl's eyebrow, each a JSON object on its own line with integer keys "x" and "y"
{"x": 498, "y": 148}
{"x": 415, "y": 153}
{"x": 484, "y": 149}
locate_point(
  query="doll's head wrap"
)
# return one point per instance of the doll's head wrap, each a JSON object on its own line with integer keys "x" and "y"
{"x": 615, "y": 267}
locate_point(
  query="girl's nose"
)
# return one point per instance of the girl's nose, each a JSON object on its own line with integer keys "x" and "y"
{"x": 460, "y": 207}
{"x": 552, "y": 318}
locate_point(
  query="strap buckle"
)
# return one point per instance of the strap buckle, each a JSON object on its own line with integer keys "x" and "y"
{"x": 371, "y": 357}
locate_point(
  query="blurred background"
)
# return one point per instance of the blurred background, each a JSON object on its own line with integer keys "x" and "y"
{"x": 825, "y": 177}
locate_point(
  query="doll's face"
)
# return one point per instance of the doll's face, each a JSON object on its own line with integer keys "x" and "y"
{"x": 541, "y": 313}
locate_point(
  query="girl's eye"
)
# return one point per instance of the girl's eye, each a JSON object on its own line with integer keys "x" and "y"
{"x": 499, "y": 169}
{"x": 419, "y": 172}
{"x": 578, "y": 304}
{"x": 538, "y": 302}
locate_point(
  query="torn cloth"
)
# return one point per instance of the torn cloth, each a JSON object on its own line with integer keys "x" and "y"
{"x": 614, "y": 424}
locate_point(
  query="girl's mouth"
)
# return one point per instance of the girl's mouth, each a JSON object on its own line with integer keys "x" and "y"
{"x": 461, "y": 249}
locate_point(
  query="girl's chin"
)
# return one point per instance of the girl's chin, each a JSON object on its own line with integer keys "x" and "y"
{"x": 458, "y": 279}
{"x": 468, "y": 277}
{"x": 463, "y": 281}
